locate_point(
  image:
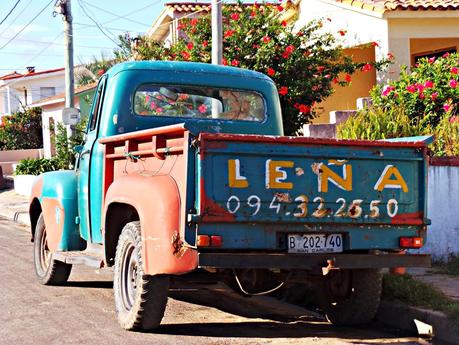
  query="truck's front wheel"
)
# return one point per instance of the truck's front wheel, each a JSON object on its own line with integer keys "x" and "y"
{"x": 140, "y": 299}
{"x": 48, "y": 270}
{"x": 352, "y": 297}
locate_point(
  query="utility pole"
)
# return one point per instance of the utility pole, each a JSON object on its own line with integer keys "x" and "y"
{"x": 216, "y": 13}
{"x": 68, "y": 41}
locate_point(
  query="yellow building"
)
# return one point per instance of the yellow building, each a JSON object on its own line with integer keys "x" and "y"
{"x": 407, "y": 29}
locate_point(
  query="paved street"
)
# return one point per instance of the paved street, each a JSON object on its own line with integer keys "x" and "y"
{"x": 83, "y": 312}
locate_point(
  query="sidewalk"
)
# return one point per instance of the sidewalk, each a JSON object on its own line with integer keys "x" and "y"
{"x": 15, "y": 207}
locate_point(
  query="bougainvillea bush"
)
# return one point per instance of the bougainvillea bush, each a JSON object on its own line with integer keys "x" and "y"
{"x": 304, "y": 63}
{"x": 423, "y": 101}
{"x": 21, "y": 130}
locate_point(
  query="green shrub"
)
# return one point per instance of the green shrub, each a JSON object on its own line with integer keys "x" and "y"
{"x": 36, "y": 166}
{"x": 22, "y": 130}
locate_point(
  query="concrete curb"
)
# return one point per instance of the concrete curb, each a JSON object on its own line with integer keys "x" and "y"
{"x": 401, "y": 316}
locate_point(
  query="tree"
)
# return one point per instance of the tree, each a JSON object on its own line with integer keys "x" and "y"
{"x": 21, "y": 130}
{"x": 304, "y": 63}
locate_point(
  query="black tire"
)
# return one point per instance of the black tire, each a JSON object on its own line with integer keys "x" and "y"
{"x": 140, "y": 300}
{"x": 48, "y": 270}
{"x": 352, "y": 297}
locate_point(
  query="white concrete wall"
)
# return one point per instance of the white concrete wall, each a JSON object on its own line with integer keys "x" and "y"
{"x": 361, "y": 26}
{"x": 443, "y": 210}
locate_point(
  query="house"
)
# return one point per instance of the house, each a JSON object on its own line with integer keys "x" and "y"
{"x": 52, "y": 112}
{"x": 17, "y": 89}
{"x": 405, "y": 29}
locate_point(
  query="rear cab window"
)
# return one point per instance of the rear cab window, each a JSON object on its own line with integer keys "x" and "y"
{"x": 199, "y": 102}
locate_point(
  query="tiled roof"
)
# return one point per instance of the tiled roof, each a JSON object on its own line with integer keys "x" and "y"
{"x": 16, "y": 75}
{"x": 403, "y": 5}
{"x": 187, "y": 7}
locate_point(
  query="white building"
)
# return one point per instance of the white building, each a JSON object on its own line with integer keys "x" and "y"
{"x": 19, "y": 90}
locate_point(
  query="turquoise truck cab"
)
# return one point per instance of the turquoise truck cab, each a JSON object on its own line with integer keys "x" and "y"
{"x": 184, "y": 169}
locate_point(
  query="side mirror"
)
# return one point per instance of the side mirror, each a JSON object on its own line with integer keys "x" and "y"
{"x": 70, "y": 116}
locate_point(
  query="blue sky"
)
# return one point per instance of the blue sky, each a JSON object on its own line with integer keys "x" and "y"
{"x": 41, "y": 42}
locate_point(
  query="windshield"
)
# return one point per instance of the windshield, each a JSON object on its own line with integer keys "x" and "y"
{"x": 198, "y": 102}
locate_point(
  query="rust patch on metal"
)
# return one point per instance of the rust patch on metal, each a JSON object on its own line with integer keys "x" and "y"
{"x": 415, "y": 218}
{"x": 177, "y": 245}
{"x": 283, "y": 197}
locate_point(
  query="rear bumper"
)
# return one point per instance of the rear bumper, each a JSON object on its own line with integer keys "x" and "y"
{"x": 311, "y": 261}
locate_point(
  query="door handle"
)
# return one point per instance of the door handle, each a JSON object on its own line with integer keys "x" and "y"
{"x": 85, "y": 152}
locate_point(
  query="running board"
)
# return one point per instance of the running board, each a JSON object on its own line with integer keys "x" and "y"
{"x": 92, "y": 256}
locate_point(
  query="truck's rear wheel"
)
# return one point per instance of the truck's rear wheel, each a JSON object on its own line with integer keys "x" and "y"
{"x": 48, "y": 270}
{"x": 352, "y": 297}
{"x": 140, "y": 300}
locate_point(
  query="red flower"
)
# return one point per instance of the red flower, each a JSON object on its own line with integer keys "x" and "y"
{"x": 454, "y": 70}
{"x": 284, "y": 23}
{"x": 181, "y": 26}
{"x": 100, "y": 72}
{"x": 421, "y": 95}
{"x": 256, "y": 46}
{"x": 205, "y": 44}
{"x": 194, "y": 21}
{"x": 320, "y": 69}
{"x": 390, "y": 56}
{"x": 434, "y": 96}
{"x": 367, "y": 68}
{"x": 453, "y": 83}
{"x": 285, "y": 55}
{"x": 342, "y": 32}
{"x": 445, "y": 55}
{"x": 253, "y": 14}
{"x": 283, "y": 90}
{"x": 235, "y": 63}
{"x": 387, "y": 90}
{"x": 186, "y": 55}
{"x": 411, "y": 88}
{"x": 335, "y": 80}
{"x": 202, "y": 108}
{"x": 266, "y": 39}
{"x": 159, "y": 110}
{"x": 228, "y": 33}
{"x": 234, "y": 16}
{"x": 290, "y": 49}
{"x": 348, "y": 78}
{"x": 454, "y": 119}
{"x": 375, "y": 44}
{"x": 224, "y": 62}
{"x": 190, "y": 45}
{"x": 304, "y": 108}
{"x": 446, "y": 107}
{"x": 280, "y": 8}
{"x": 271, "y": 71}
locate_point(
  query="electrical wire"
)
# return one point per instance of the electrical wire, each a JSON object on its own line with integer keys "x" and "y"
{"x": 25, "y": 26}
{"x": 11, "y": 11}
{"x": 95, "y": 22}
{"x": 15, "y": 18}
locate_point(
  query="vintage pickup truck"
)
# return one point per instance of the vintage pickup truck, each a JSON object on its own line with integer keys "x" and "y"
{"x": 185, "y": 175}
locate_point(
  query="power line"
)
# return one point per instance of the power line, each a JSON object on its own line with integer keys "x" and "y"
{"x": 114, "y": 14}
{"x": 17, "y": 16}
{"x": 95, "y": 22}
{"x": 11, "y": 11}
{"x": 25, "y": 26}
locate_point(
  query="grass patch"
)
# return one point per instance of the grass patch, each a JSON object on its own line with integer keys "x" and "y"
{"x": 416, "y": 293}
{"x": 451, "y": 267}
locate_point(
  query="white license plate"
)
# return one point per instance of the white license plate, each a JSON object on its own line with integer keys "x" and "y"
{"x": 316, "y": 243}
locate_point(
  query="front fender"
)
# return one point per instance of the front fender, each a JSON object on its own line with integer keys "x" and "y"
{"x": 56, "y": 192}
{"x": 157, "y": 202}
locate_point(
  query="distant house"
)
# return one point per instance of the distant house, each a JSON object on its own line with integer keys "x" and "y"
{"x": 17, "y": 89}
{"x": 407, "y": 29}
{"x": 52, "y": 112}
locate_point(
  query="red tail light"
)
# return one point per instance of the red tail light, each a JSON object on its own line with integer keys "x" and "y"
{"x": 216, "y": 241}
{"x": 209, "y": 241}
{"x": 411, "y": 242}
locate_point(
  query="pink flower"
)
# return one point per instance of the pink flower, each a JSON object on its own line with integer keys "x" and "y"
{"x": 420, "y": 87}
{"x": 454, "y": 119}
{"x": 432, "y": 59}
{"x": 190, "y": 45}
{"x": 446, "y": 107}
{"x": 367, "y": 68}
{"x": 375, "y": 44}
{"x": 387, "y": 90}
{"x": 202, "y": 108}
{"x": 411, "y": 88}
{"x": 454, "y": 70}
{"x": 428, "y": 84}
{"x": 205, "y": 44}
{"x": 266, "y": 39}
{"x": 147, "y": 99}
{"x": 181, "y": 26}
{"x": 434, "y": 96}
{"x": 100, "y": 72}
{"x": 159, "y": 110}
{"x": 453, "y": 83}
{"x": 153, "y": 106}
{"x": 234, "y": 16}
{"x": 271, "y": 71}
{"x": 283, "y": 90}
{"x": 194, "y": 21}
{"x": 390, "y": 56}
{"x": 421, "y": 95}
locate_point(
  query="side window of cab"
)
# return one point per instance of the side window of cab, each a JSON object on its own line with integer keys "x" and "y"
{"x": 97, "y": 106}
